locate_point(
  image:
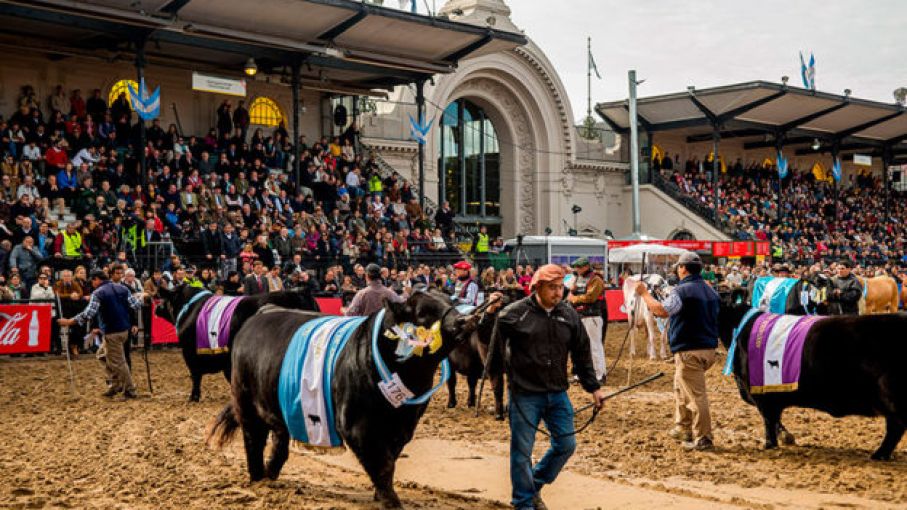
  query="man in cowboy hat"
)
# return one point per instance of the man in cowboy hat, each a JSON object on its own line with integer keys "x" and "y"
{"x": 466, "y": 290}
{"x": 536, "y": 334}
{"x": 586, "y": 296}
{"x": 693, "y": 336}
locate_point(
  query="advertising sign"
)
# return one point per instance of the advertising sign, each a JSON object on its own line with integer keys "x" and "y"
{"x": 25, "y": 329}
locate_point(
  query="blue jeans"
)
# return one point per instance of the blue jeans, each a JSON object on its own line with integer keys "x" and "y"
{"x": 527, "y": 410}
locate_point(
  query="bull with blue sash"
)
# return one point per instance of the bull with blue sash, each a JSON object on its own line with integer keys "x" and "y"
{"x": 363, "y": 382}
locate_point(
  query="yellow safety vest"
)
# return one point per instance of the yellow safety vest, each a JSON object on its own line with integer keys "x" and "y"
{"x": 482, "y": 243}
{"x": 72, "y": 244}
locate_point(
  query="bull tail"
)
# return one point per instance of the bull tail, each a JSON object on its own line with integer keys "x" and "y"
{"x": 222, "y": 428}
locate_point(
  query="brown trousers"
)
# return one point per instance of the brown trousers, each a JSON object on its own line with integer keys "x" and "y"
{"x": 691, "y": 409}
{"x": 115, "y": 362}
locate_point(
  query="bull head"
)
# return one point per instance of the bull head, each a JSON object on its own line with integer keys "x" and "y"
{"x": 427, "y": 324}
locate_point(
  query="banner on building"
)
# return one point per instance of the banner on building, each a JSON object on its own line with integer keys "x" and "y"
{"x": 862, "y": 160}
{"x": 217, "y": 85}
{"x": 25, "y": 329}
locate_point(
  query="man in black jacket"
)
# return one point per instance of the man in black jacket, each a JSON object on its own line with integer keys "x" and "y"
{"x": 213, "y": 244}
{"x": 847, "y": 289}
{"x": 537, "y": 333}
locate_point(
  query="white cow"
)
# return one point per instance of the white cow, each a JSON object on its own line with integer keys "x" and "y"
{"x": 639, "y": 316}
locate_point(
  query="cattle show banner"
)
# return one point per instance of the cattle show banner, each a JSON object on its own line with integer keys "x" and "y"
{"x": 25, "y": 329}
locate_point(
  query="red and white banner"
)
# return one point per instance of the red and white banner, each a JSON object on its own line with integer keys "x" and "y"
{"x": 25, "y": 329}
{"x": 162, "y": 332}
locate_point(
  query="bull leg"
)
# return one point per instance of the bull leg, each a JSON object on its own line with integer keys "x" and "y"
{"x": 280, "y": 450}
{"x": 452, "y": 391}
{"x": 255, "y": 436}
{"x": 771, "y": 416}
{"x": 498, "y": 385}
{"x": 196, "y": 394}
{"x": 379, "y": 463}
{"x": 894, "y": 431}
{"x": 471, "y": 380}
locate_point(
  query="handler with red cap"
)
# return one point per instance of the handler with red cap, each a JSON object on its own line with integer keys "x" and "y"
{"x": 466, "y": 290}
{"x": 535, "y": 335}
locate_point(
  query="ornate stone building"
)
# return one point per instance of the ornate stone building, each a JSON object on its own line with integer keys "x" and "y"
{"x": 504, "y": 149}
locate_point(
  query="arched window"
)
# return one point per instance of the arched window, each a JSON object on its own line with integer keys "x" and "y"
{"x": 682, "y": 235}
{"x": 265, "y": 112}
{"x": 122, "y": 87}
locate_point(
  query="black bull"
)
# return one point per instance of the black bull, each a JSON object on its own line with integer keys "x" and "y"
{"x": 374, "y": 430}
{"x": 850, "y": 366}
{"x": 201, "y": 364}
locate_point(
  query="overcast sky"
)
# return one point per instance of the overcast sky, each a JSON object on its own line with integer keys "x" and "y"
{"x": 861, "y": 45}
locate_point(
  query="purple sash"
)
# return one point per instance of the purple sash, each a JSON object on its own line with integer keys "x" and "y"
{"x": 775, "y": 351}
{"x": 212, "y": 331}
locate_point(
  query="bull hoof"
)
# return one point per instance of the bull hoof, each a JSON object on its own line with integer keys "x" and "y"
{"x": 194, "y": 398}
{"x": 451, "y": 404}
{"x": 499, "y": 416}
{"x": 470, "y": 403}
{"x": 881, "y": 456}
{"x": 787, "y": 439}
{"x": 770, "y": 445}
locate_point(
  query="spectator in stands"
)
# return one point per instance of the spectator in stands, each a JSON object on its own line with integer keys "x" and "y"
{"x": 25, "y": 259}
{"x": 256, "y": 283}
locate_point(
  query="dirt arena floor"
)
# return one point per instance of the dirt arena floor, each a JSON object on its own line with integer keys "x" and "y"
{"x": 61, "y": 450}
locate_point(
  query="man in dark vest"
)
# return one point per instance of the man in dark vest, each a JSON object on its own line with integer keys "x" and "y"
{"x": 113, "y": 301}
{"x": 587, "y": 297}
{"x": 693, "y": 336}
{"x": 466, "y": 290}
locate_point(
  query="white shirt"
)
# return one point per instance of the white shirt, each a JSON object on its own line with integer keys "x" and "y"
{"x": 85, "y": 157}
{"x": 31, "y": 153}
{"x": 352, "y": 179}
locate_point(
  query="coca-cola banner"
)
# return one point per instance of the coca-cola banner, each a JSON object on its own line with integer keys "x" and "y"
{"x": 25, "y": 329}
{"x": 162, "y": 332}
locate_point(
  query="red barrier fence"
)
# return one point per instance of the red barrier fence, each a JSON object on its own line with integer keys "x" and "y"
{"x": 25, "y": 329}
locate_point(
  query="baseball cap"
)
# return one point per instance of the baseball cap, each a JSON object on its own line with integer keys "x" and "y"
{"x": 689, "y": 258}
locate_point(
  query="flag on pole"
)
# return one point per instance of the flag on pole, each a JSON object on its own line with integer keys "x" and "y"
{"x": 836, "y": 169}
{"x": 811, "y": 71}
{"x": 147, "y": 106}
{"x": 418, "y": 130}
{"x": 808, "y": 72}
{"x": 782, "y": 166}
{"x": 593, "y": 67}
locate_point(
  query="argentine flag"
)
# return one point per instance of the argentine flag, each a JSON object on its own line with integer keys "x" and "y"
{"x": 782, "y": 166}
{"x": 146, "y": 106}
{"x": 808, "y": 72}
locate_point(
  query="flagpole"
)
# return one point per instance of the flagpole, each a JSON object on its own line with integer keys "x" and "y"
{"x": 588, "y": 77}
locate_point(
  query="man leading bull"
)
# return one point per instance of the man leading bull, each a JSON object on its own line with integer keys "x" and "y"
{"x": 536, "y": 334}
{"x": 692, "y": 307}
{"x": 586, "y": 296}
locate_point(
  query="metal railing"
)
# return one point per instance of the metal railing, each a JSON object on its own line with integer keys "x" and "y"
{"x": 385, "y": 170}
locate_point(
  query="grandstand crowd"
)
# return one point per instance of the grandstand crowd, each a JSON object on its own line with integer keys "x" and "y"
{"x": 802, "y": 225}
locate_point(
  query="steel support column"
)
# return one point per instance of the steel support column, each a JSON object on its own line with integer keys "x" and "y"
{"x": 140, "y": 74}
{"x": 461, "y": 153}
{"x": 294, "y": 84}
{"x": 634, "y": 152}
{"x": 482, "y": 187}
{"x": 886, "y": 163}
{"x": 716, "y": 167}
{"x": 835, "y": 149}
{"x": 420, "y": 113}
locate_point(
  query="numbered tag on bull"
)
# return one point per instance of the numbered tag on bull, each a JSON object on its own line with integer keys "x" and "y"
{"x": 395, "y": 391}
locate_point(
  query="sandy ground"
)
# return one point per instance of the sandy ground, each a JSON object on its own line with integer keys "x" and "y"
{"x": 60, "y": 450}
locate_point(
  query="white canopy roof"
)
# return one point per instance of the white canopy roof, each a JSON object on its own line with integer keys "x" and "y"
{"x": 634, "y": 254}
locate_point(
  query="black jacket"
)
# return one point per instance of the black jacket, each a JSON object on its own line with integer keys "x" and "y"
{"x": 851, "y": 292}
{"x": 536, "y": 343}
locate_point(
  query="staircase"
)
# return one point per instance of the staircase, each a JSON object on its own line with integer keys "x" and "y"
{"x": 706, "y": 213}
{"x": 385, "y": 170}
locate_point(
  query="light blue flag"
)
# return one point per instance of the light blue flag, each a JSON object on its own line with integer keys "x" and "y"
{"x": 781, "y": 162}
{"x": 836, "y": 169}
{"x": 811, "y": 71}
{"x": 146, "y": 106}
{"x": 418, "y": 130}
{"x": 803, "y": 72}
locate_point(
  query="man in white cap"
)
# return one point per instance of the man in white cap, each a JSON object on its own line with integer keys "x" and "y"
{"x": 692, "y": 307}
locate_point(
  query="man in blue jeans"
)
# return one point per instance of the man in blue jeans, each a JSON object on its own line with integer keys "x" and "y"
{"x": 536, "y": 334}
